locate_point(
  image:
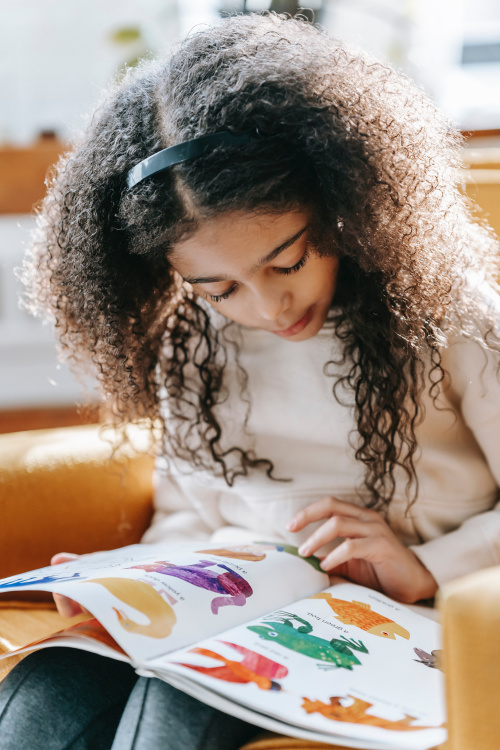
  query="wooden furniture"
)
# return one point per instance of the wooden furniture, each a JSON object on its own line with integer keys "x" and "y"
{"x": 482, "y": 182}
{"x": 44, "y": 417}
{"x": 23, "y": 172}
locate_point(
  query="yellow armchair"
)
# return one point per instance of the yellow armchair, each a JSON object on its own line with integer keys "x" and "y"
{"x": 61, "y": 491}
{"x": 481, "y": 178}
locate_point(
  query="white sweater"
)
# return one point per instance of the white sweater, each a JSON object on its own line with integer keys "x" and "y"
{"x": 295, "y": 421}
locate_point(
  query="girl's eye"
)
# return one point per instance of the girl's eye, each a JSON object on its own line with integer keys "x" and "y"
{"x": 296, "y": 267}
{"x": 220, "y": 297}
{"x": 293, "y": 269}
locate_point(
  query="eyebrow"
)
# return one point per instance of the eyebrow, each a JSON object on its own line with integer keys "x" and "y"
{"x": 262, "y": 262}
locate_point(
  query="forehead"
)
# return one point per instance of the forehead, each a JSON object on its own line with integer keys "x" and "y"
{"x": 235, "y": 239}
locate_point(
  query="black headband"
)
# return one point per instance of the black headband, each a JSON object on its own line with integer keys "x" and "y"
{"x": 184, "y": 152}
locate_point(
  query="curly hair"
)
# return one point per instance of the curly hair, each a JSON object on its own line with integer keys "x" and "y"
{"x": 357, "y": 141}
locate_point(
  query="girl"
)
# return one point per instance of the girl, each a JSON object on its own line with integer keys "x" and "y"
{"x": 260, "y": 245}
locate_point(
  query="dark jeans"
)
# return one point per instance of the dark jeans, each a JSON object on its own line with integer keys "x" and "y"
{"x": 66, "y": 699}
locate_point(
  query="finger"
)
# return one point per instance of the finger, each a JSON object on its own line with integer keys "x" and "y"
{"x": 62, "y": 557}
{"x": 325, "y": 508}
{"x": 339, "y": 574}
{"x": 335, "y": 528}
{"x": 352, "y": 549}
{"x": 67, "y": 607}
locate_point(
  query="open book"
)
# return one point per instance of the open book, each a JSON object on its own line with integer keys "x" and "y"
{"x": 257, "y": 631}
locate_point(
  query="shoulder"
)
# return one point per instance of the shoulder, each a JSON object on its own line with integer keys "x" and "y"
{"x": 472, "y": 355}
{"x": 480, "y": 303}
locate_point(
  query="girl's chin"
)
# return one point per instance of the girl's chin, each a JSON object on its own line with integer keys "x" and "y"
{"x": 307, "y": 333}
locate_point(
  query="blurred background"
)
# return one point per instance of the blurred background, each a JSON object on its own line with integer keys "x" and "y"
{"x": 56, "y": 56}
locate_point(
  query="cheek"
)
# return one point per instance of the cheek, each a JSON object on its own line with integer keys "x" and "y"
{"x": 324, "y": 276}
{"x": 234, "y": 309}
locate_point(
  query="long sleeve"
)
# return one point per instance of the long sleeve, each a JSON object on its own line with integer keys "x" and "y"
{"x": 475, "y": 392}
{"x": 174, "y": 518}
{"x": 189, "y": 507}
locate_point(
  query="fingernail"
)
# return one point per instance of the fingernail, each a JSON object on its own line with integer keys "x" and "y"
{"x": 62, "y": 557}
{"x": 291, "y": 525}
{"x": 304, "y": 551}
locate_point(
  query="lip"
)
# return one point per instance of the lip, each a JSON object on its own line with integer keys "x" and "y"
{"x": 297, "y": 327}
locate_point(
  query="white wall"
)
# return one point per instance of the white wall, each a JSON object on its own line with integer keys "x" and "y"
{"x": 57, "y": 55}
{"x": 424, "y": 38}
{"x": 55, "y": 58}
{"x": 30, "y": 374}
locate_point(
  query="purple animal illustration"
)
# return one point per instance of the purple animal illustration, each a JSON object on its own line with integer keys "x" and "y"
{"x": 234, "y": 589}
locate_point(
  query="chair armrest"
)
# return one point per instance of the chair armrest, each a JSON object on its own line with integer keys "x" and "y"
{"x": 61, "y": 491}
{"x": 470, "y": 610}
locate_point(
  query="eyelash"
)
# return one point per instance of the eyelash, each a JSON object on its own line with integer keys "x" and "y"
{"x": 293, "y": 269}
{"x": 220, "y": 297}
{"x": 286, "y": 271}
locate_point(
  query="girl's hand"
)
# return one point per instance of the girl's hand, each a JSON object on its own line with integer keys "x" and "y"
{"x": 369, "y": 553}
{"x": 65, "y": 606}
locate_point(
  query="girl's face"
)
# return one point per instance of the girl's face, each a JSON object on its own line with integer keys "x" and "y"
{"x": 260, "y": 270}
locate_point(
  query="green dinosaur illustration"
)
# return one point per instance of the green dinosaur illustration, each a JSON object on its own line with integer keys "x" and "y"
{"x": 333, "y": 654}
{"x": 291, "y": 550}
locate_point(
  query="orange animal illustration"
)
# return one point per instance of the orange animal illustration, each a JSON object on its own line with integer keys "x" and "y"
{"x": 94, "y": 630}
{"x": 363, "y": 617}
{"x": 246, "y": 552}
{"x": 252, "y": 668}
{"x": 355, "y": 713}
{"x": 145, "y": 599}
{"x": 257, "y": 551}
{"x": 88, "y": 629}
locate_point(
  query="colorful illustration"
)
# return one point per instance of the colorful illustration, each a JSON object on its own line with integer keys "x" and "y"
{"x": 257, "y": 551}
{"x": 161, "y": 589}
{"x": 291, "y": 550}
{"x": 36, "y": 580}
{"x": 433, "y": 660}
{"x": 144, "y": 598}
{"x": 252, "y": 668}
{"x": 355, "y": 713}
{"x": 234, "y": 587}
{"x": 91, "y": 629}
{"x": 246, "y": 552}
{"x": 362, "y": 616}
{"x": 334, "y": 653}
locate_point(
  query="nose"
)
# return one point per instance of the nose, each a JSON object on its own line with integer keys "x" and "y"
{"x": 271, "y": 301}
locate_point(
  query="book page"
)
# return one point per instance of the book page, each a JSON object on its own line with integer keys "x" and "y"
{"x": 153, "y": 599}
{"x": 347, "y": 662}
{"x": 88, "y": 636}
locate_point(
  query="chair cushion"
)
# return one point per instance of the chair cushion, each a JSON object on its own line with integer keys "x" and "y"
{"x": 61, "y": 491}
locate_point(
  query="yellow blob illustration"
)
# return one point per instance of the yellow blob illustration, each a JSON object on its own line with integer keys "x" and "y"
{"x": 144, "y": 598}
